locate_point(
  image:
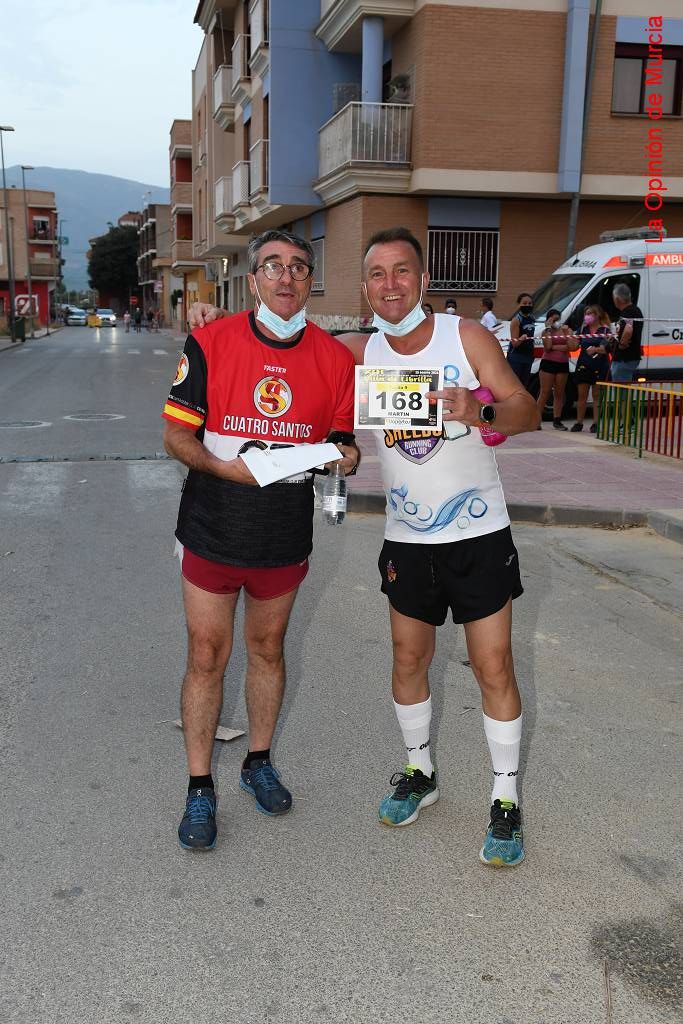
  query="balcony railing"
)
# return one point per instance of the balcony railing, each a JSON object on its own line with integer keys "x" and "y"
{"x": 181, "y": 194}
{"x": 258, "y": 158}
{"x": 223, "y": 198}
{"x": 366, "y": 133}
{"x": 240, "y": 64}
{"x": 43, "y": 268}
{"x": 223, "y": 103}
{"x": 181, "y": 251}
{"x": 258, "y": 48}
{"x": 43, "y": 235}
{"x": 240, "y": 184}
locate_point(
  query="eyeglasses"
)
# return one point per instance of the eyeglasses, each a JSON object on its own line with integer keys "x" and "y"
{"x": 298, "y": 271}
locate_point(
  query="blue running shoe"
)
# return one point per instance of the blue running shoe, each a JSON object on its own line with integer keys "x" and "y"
{"x": 414, "y": 790}
{"x": 503, "y": 846}
{"x": 263, "y": 782}
{"x": 197, "y": 830}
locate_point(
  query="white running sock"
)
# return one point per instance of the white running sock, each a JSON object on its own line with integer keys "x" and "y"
{"x": 503, "y": 739}
{"x": 414, "y": 720}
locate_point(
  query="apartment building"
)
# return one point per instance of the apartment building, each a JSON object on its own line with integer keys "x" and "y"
{"x": 154, "y": 258}
{"x": 33, "y": 238}
{"x": 464, "y": 122}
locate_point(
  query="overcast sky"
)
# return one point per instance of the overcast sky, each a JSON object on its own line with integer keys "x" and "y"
{"x": 93, "y": 85}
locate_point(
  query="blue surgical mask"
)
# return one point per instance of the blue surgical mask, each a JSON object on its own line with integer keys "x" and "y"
{"x": 409, "y": 322}
{"x": 281, "y": 328}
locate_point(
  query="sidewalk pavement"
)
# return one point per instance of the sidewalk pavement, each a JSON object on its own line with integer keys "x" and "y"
{"x": 40, "y": 332}
{"x": 565, "y": 479}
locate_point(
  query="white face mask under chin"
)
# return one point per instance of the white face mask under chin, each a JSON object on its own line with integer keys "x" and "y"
{"x": 281, "y": 328}
{"x": 409, "y": 322}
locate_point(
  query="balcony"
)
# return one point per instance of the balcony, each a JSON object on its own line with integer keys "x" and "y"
{"x": 223, "y": 215}
{"x": 181, "y": 196}
{"x": 44, "y": 268}
{"x": 241, "y": 78}
{"x": 43, "y": 235}
{"x": 240, "y": 184}
{"x": 258, "y": 159}
{"x": 340, "y": 26}
{"x": 181, "y": 253}
{"x": 223, "y": 103}
{"x": 259, "y": 54}
{"x": 365, "y": 148}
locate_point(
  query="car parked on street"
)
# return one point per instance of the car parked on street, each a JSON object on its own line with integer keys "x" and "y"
{"x": 76, "y": 317}
{"x": 107, "y": 317}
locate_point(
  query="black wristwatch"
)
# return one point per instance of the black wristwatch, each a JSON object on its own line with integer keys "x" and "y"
{"x": 487, "y": 413}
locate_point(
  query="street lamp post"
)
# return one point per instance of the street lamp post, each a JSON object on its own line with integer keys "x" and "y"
{"x": 8, "y": 240}
{"x": 27, "y": 167}
{"x": 60, "y": 224}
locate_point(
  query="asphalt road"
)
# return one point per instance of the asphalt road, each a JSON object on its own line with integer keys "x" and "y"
{"x": 325, "y": 915}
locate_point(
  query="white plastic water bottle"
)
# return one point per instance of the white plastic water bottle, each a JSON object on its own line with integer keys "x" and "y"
{"x": 334, "y": 496}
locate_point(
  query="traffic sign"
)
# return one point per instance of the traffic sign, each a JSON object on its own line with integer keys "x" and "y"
{"x": 22, "y": 305}
{"x": 63, "y": 240}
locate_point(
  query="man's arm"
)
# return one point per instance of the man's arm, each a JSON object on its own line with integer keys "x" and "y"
{"x": 516, "y": 410}
{"x": 627, "y": 334}
{"x": 202, "y": 313}
{"x": 182, "y": 444}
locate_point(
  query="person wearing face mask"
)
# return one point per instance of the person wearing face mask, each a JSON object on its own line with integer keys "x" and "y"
{"x": 451, "y": 307}
{"x": 448, "y": 545}
{"x": 592, "y": 364}
{"x": 522, "y": 329}
{"x": 267, "y": 377}
{"x": 554, "y": 368}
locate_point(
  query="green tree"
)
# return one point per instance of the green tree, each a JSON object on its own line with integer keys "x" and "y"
{"x": 112, "y": 267}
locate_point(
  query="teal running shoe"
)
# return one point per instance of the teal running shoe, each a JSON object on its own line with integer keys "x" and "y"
{"x": 503, "y": 846}
{"x": 414, "y": 790}
{"x": 263, "y": 782}
{"x": 197, "y": 830}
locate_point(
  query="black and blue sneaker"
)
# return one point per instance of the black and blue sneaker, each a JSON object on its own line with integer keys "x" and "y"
{"x": 414, "y": 790}
{"x": 504, "y": 845}
{"x": 263, "y": 782}
{"x": 197, "y": 830}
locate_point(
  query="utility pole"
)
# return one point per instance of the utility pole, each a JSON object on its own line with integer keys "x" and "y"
{"x": 588, "y": 95}
{"x": 27, "y": 167}
{"x": 8, "y": 239}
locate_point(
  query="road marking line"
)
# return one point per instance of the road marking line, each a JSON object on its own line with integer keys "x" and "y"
{"x": 160, "y": 352}
{"x": 133, "y": 351}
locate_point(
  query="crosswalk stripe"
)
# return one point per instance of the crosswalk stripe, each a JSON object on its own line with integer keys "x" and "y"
{"x": 160, "y": 352}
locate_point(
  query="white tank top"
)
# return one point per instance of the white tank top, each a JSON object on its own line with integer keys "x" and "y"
{"x": 439, "y": 489}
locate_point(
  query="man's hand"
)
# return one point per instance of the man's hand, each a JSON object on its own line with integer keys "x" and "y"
{"x": 458, "y": 404}
{"x": 202, "y": 313}
{"x": 237, "y": 471}
{"x": 351, "y": 457}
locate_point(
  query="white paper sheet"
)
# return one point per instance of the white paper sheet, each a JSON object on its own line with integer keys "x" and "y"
{"x": 272, "y": 464}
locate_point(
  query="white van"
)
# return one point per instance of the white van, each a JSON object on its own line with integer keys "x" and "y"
{"x": 654, "y": 273}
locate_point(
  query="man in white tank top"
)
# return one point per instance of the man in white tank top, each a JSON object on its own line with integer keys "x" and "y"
{"x": 447, "y": 538}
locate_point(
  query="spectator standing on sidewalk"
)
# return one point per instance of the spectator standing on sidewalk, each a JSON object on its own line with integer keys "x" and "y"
{"x": 137, "y": 318}
{"x": 126, "y": 322}
{"x": 488, "y": 317}
{"x": 592, "y": 364}
{"x": 522, "y": 330}
{"x": 451, "y": 307}
{"x": 627, "y": 351}
{"x": 554, "y": 368}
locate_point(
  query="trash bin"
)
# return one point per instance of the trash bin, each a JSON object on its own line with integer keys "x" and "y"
{"x": 20, "y": 328}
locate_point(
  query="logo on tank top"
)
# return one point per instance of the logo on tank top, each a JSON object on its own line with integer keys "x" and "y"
{"x": 272, "y": 396}
{"x": 415, "y": 445}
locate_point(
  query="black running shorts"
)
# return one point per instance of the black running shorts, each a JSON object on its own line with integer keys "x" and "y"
{"x": 474, "y": 578}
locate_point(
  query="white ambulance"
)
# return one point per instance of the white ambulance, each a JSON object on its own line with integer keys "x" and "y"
{"x": 654, "y": 273}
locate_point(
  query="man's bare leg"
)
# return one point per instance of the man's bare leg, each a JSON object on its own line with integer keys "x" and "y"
{"x": 489, "y": 645}
{"x": 265, "y": 625}
{"x": 210, "y": 619}
{"x": 413, "y": 645}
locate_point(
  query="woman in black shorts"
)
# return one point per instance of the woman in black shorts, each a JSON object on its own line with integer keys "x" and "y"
{"x": 554, "y": 368}
{"x": 592, "y": 364}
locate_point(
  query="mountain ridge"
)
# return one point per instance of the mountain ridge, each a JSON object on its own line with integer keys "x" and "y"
{"x": 86, "y": 201}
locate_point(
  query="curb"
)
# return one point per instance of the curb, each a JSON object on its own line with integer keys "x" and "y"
{"x": 555, "y": 515}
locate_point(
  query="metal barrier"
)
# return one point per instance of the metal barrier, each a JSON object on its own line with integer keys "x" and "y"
{"x": 648, "y": 418}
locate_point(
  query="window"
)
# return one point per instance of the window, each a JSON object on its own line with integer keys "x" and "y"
{"x": 318, "y": 285}
{"x": 637, "y": 73}
{"x": 601, "y": 295}
{"x": 462, "y": 260}
{"x": 41, "y": 227}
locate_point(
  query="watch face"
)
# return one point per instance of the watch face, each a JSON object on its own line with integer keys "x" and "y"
{"x": 487, "y": 413}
